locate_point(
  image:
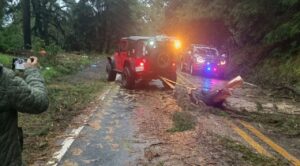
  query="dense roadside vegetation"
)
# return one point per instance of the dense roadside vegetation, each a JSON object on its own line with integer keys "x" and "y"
{"x": 84, "y": 25}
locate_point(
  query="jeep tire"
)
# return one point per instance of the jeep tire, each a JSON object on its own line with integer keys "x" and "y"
{"x": 161, "y": 58}
{"x": 110, "y": 73}
{"x": 128, "y": 80}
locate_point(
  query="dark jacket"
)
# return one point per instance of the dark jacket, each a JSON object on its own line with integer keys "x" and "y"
{"x": 18, "y": 95}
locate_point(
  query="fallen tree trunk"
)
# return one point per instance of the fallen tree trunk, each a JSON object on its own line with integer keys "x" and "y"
{"x": 217, "y": 97}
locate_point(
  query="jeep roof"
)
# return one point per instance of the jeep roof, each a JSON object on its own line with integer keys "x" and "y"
{"x": 159, "y": 38}
{"x": 135, "y": 38}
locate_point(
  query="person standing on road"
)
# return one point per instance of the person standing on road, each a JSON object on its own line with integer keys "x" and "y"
{"x": 18, "y": 95}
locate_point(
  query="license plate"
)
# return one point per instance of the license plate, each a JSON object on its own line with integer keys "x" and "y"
{"x": 139, "y": 69}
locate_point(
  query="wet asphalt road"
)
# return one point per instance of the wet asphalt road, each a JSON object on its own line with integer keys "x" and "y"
{"x": 108, "y": 137}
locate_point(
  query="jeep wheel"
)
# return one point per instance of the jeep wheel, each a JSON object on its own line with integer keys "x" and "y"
{"x": 161, "y": 58}
{"x": 110, "y": 73}
{"x": 163, "y": 61}
{"x": 128, "y": 79}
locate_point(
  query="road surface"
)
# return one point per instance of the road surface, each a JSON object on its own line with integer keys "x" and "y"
{"x": 135, "y": 127}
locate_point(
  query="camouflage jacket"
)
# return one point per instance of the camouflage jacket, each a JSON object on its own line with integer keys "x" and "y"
{"x": 18, "y": 95}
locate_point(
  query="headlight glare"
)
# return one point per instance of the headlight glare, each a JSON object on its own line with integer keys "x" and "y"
{"x": 200, "y": 60}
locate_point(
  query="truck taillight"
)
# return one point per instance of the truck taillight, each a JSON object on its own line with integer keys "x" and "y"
{"x": 177, "y": 44}
{"x": 140, "y": 65}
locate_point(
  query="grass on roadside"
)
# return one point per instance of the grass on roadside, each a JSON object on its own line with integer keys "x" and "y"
{"x": 65, "y": 101}
{"x": 64, "y": 66}
{"x": 5, "y": 60}
{"x": 182, "y": 121}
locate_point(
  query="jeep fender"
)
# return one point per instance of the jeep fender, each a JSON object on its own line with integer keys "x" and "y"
{"x": 129, "y": 64}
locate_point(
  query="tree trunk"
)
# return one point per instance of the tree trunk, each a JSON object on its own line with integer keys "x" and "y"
{"x": 26, "y": 24}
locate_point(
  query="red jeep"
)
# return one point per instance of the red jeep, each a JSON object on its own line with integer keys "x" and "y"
{"x": 140, "y": 59}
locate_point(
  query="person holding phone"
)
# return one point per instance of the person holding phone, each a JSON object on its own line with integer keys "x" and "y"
{"x": 28, "y": 95}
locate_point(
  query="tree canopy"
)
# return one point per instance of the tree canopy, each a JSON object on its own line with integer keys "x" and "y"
{"x": 243, "y": 22}
{"x": 72, "y": 25}
{"x": 97, "y": 24}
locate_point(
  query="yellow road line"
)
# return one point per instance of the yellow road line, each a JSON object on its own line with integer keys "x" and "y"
{"x": 272, "y": 144}
{"x": 186, "y": 80}
{"x": 249, "y": 140}
{"x": 184, "y": 84}
{"x": 181, "y": 81}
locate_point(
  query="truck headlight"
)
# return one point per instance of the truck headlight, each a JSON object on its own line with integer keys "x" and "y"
{"x": 200, "y": 60}
{"x": 223, "y": 62}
